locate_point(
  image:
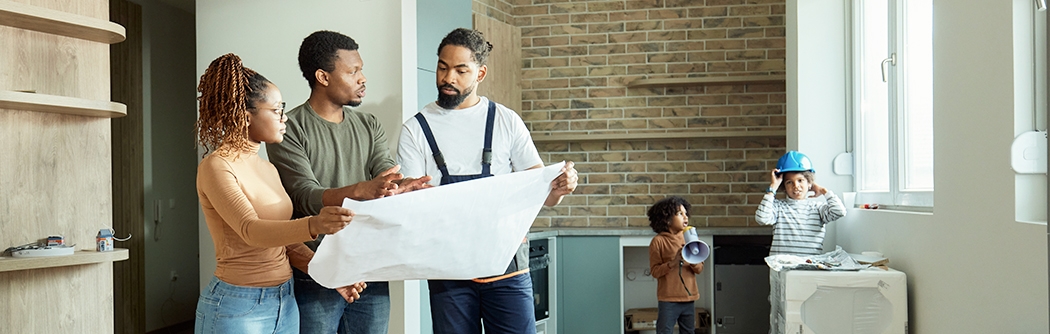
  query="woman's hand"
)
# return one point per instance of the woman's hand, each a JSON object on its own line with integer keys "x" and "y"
{"x": 331, "y": 219}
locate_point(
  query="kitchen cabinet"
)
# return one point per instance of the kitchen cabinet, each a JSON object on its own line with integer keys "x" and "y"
{"x": 594, "y": 280}
{"x": 588, "y": 297}
{"x": 638, "y": 288}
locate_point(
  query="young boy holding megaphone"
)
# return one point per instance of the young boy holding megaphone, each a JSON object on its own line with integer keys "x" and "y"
{"x": 798, "y": 223}
{"x": 676, "y": 255}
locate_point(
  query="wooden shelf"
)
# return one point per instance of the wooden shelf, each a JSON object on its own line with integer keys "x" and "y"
{"x": 79, "y": 257}
{"x": 51, "y": 21}
{"x": 61, "y": 105}
{"x": 541, "y": 137}
{"x": 704, "y": 81}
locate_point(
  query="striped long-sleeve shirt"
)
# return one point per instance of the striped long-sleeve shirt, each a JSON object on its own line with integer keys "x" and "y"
{"x": 798, "y": 225}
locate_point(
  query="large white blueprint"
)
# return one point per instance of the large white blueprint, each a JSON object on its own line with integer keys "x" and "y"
{"x": 458, "y": 231}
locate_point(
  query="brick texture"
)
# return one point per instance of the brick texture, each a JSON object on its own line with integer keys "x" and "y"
{"x": 579, "y": 56}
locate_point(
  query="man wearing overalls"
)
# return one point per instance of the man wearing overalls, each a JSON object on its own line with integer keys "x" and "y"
{"x": 464, "y": 136}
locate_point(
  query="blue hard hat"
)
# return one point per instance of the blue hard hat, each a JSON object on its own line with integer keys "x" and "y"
{"x": 793, "y": 161}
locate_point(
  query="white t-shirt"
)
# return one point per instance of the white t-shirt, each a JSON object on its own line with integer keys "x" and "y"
{"x": 460, "y": 136}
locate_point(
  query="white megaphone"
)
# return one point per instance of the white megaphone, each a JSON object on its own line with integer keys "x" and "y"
{"x": 695, "y": 250}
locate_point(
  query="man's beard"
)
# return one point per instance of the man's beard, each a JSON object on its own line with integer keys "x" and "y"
{"x": 451, "y": 101}
{"x": 354, "y": 103}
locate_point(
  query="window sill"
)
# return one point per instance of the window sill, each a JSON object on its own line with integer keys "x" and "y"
{"x": 1042, "y": 223}
{"x": 921, "y": 211}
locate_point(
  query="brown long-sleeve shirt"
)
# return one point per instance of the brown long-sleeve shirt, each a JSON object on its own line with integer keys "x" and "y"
{"x": 675, "y": 279}
{"x": 247, "y": 213}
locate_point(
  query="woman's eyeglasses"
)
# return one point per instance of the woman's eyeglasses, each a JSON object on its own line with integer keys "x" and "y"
{"x": 278, "y": 111}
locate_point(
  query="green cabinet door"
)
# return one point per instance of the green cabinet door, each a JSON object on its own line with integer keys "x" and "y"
{"x": 589, "y": 285}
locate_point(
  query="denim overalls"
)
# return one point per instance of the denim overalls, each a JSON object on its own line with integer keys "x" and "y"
{"x": 456, "y": 305}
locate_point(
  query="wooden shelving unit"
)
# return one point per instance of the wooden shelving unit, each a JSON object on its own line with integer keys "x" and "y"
{"x": 79, "y": 257}
{"x": 50, "y": 21}
{"x": 705, "y": 81}
{"x": 61, "y": 105}
{"x": 542, "y": 137}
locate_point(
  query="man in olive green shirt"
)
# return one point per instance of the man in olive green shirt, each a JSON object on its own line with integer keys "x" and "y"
{"x": 331, "y": 152}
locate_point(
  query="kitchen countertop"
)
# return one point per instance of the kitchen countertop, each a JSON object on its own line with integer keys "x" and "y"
{"x": 547, "y": 232}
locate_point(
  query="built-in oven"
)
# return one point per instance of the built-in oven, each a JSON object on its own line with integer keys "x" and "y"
{"x": 539, "y": 259}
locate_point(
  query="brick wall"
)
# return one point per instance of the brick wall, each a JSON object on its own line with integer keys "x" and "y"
{"x": 497, "y": 9}
{"x": 578, "y": 57}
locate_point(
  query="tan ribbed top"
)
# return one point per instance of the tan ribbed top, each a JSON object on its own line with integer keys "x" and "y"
{"x": 247, "y": 213}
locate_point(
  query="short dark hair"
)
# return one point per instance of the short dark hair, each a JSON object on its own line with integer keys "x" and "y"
{"x": 660, "y": 213}
{"x": 470, "y": 39}
{"x": 319, "y": 51}
{"x": 806, "y": 174}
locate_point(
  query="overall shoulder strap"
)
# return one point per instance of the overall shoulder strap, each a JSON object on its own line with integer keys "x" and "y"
{"x": 438, "y": 158}
{"x": 486, "y": 153}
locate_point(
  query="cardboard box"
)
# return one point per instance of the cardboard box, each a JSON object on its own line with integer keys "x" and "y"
{"x": 640, "y": 318}
{"x": 645, "y": 319}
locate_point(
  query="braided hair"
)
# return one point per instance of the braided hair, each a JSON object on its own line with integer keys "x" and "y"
{"x": 228, "y": 90}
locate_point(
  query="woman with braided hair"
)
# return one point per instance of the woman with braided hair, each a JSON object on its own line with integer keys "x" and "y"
{"x": 247, "y": 209}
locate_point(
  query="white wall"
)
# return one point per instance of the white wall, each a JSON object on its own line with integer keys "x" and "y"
{"x": 818, "y": 90}
{"x": 267, "y": 33}
{"x": 971, "y": 268}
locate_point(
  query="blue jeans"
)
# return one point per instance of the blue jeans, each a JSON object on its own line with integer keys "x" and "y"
{"x": 227, "y": 308}
{"x": 324, "y": 310}
{"x": 458, "y": 307}
{"x": 670, "y": 312}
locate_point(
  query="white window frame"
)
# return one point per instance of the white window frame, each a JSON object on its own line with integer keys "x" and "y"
{"x": 897, "y": 196}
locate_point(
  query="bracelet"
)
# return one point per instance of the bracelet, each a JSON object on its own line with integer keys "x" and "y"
{"x": 771, "y": 190}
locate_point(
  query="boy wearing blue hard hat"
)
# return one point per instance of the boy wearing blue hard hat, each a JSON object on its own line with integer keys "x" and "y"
{"x": 798, "y": 222}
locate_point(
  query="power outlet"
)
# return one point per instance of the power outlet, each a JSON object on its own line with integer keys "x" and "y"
{"x": 174, "y": 276}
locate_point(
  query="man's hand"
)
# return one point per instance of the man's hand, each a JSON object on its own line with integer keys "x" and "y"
{"x": 563, "y": 185}
{"x": 410, "y": 184}
{"x": 352, "y": 292}
{"x": 379, "y": 187}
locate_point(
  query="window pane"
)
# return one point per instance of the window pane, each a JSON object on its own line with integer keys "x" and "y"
{"x": 873, "y": 116}
{"x": 917, "y": 115}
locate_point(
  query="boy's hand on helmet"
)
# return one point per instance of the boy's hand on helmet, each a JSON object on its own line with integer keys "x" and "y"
{"x": 818, "y": 190}
{"x": 774, "y": 179}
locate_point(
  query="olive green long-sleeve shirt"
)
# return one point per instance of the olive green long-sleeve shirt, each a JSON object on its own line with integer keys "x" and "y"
{"x": 317, "y": 155}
